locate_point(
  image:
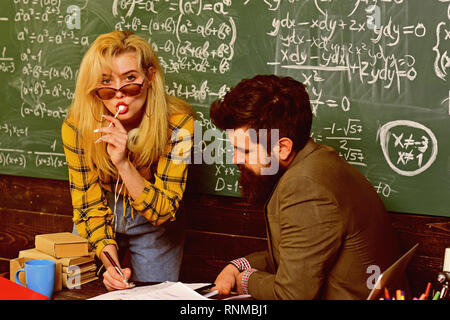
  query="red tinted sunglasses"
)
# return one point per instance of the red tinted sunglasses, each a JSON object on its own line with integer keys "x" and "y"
{"x": 131, "y": 90}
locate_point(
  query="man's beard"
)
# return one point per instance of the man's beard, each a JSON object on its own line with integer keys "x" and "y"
{"x": 256, "y": 188}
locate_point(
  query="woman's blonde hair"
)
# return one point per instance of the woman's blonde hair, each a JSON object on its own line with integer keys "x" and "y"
{"x": 86, "y": 109}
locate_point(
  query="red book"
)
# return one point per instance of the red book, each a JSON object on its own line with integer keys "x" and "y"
{"x": 12, "y": 291}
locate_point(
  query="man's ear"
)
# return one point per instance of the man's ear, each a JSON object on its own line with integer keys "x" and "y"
{"x": 284, "y": 148}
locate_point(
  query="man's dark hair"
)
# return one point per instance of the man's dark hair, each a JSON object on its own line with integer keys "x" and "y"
{"x": 267, "y": 102}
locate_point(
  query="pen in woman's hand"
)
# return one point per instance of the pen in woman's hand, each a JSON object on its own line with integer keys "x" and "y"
{"x": 129, "y": 285}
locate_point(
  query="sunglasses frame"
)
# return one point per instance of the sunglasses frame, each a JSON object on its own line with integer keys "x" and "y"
{"x": 120, "y": 89}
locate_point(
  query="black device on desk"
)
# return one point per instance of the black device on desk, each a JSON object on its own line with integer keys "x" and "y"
{"x": 444, "y": 276}
{"x": 202, "y": 290}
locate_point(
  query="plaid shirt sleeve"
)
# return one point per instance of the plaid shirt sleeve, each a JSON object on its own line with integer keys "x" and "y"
{"x": 160, "y": 200}
{"x": 245, "y": 277}
{"x": 91, "y": 214}
{"x": 241, "y": 264}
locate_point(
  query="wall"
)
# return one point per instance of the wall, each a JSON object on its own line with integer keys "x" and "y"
{"x": 380, "y": 95}
{"x": 219, "y": 228}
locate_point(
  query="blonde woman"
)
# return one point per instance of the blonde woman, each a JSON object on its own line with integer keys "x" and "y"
{"x": 127, "y": 144}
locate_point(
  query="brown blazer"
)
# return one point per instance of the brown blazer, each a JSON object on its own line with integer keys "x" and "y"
{"x": 325, "y": 226}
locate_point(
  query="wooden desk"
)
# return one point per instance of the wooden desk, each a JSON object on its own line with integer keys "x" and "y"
{"x": 88, "y": 290}
{"x": 231, "y": 227}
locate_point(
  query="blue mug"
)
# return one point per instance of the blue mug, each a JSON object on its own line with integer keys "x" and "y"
{"x": 39, "y": 276}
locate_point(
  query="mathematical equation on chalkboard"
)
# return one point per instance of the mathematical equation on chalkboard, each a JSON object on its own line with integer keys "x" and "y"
{"x": 19, "y": 158}
{"x": 360, "y": 61}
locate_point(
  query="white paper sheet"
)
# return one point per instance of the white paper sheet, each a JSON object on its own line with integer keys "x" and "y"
{"x": 162, "y": 291}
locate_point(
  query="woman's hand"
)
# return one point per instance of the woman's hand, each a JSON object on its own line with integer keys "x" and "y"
{"x": 114, "y": 281}
{"x": 116, "y": 138}
{"x": 111, "y": 278}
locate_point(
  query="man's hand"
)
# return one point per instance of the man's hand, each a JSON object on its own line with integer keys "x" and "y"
{"x": 226, "y": 280}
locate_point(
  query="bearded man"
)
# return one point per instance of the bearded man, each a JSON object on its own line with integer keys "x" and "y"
{"x": 326, "y": 225}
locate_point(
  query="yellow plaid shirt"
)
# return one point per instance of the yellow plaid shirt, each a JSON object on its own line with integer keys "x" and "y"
{"x": 165, "y": 182}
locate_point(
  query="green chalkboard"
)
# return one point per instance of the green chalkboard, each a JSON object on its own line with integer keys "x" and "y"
{"x": 376, "y": 72}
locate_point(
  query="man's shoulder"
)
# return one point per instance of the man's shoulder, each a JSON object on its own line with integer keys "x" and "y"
{"x": 312, "y": 161}
{"x": 322, "y": 168}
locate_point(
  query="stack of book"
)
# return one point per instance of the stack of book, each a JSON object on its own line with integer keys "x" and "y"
{"x": 70, "y": 251}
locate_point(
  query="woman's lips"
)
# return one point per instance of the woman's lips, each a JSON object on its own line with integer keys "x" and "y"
{"x": 124, "y": 107}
